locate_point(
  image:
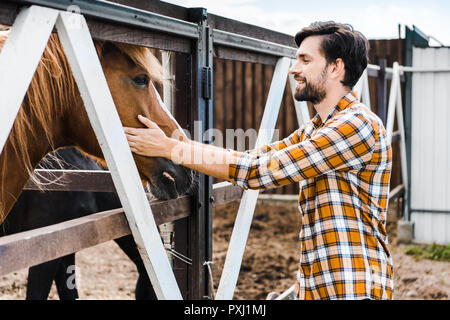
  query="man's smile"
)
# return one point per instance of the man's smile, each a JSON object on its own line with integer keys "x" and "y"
{"x": 300, "y": 83}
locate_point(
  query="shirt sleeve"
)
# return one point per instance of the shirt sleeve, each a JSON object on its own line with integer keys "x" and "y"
{"x": 345, "y": 143}
{"x": 293, "y": 138}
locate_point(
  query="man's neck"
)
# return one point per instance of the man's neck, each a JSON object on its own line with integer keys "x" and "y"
{"x": 332, "y": 98}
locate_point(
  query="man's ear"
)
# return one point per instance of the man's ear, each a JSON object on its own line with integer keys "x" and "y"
{"x": 337, "y": 69}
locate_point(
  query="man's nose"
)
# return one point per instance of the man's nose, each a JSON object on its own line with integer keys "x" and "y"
{"x": 295, "y": 68}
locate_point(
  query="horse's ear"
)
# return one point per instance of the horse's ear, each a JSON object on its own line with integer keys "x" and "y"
{"x": 106, "y": 47}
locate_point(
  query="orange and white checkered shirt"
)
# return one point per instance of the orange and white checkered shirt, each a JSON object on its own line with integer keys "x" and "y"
{"x": 343, "y": 166}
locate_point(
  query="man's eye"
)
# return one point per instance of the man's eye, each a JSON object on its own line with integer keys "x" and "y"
{"x": 141, "y": 80}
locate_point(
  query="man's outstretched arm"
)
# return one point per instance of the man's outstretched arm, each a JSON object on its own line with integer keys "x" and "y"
{"x": 207, "y": 159}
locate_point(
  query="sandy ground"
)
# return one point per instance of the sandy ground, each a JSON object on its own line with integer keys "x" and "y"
{"x": 269, "y": 264}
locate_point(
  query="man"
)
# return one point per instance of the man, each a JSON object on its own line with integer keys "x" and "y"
{"x": 341, "y": 159}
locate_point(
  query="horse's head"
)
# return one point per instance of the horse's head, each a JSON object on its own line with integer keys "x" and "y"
{"x": 130, "y": 71}
{"x": 52, "y": 116}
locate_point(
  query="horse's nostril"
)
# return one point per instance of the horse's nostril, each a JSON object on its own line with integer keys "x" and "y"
{"x": 168, "y": 176}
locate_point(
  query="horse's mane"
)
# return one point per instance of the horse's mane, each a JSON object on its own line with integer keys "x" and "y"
{"x": 53, "y": 89}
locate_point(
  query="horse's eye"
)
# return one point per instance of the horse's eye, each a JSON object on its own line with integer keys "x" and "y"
{"x": 141, "y": 80}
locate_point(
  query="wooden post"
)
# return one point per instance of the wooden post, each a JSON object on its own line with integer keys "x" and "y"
{"x": 183, "y": 113}
{"x": 200, "y": 222}
{"x": 381, "y": 90}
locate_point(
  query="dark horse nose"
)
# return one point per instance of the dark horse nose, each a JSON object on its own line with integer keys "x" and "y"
{"x": 171, "y": 181}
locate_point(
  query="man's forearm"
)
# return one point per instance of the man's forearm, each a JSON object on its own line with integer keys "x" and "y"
{"x": 207, "y": 159}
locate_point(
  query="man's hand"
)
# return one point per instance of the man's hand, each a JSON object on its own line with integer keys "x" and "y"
{"x": 150, "y": 141}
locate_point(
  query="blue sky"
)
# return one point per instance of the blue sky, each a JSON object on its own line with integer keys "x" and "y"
{"x": 375, "y": 19}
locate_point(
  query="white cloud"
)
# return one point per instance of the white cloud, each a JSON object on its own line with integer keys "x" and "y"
{"x": 374, "y": 21}
{"x": 382, "y": 22}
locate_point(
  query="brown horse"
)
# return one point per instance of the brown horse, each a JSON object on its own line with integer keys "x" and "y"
{"x": 52, "y": 116}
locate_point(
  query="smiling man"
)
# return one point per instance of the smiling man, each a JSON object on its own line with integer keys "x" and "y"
{"x": 341, "y": 159}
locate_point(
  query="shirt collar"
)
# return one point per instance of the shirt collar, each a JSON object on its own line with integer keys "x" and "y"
{"x": 345, "y": 102}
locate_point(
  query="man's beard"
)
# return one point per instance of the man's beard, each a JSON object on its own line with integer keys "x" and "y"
{"x": 312, "y": 92}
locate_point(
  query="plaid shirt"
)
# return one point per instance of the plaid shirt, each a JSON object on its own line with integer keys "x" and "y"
{"x": 343, "y": 166}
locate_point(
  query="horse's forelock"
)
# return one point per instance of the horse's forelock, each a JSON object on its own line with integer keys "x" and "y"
{"x": 141, "y": 56}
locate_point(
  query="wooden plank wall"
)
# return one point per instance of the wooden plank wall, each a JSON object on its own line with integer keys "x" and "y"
{"x": 391, "y": 50}
{"x": 241, "y": 89}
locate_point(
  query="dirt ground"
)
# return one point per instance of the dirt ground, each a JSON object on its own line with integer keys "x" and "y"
{"x": 270, "y": 262}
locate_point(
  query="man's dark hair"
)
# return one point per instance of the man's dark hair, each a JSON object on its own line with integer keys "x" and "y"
{"x": 340, "y": 41}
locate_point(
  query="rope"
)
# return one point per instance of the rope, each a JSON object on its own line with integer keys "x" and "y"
{"x": 188, "y": 261}
{"x": 180, "y": 256}
{"x": 211, "y": 281}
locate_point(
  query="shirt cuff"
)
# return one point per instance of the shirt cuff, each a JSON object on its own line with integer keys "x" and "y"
{"x": 239, "y": 172}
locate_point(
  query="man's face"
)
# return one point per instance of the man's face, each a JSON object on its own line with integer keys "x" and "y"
{"x": 310, "y": 71}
